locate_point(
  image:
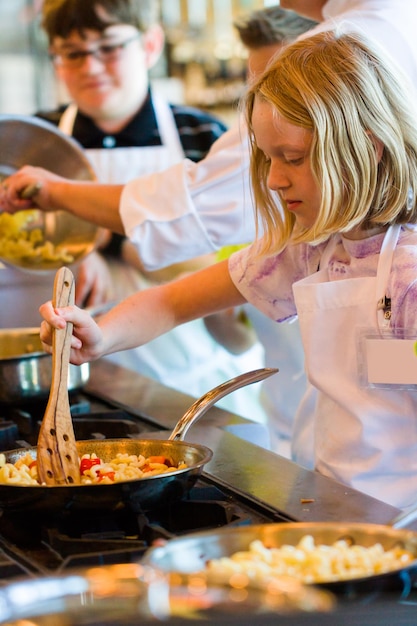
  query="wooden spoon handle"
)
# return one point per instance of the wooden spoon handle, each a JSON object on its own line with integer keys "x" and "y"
{"x": 57, "y": 451}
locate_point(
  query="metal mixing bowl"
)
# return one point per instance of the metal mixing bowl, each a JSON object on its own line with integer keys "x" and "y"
{"x": 31, "y": 141}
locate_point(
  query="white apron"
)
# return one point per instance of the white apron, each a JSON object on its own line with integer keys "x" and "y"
{"x": 362, "y": 436}
{"x": 187, "y": 358}
{"x": 119, "y": 165}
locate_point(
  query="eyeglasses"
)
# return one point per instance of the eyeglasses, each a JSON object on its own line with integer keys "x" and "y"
{"x": 106, "y": 53}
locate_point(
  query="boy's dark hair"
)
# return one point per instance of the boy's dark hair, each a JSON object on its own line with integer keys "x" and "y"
{"x": 271, "y": 26}
{"x": 61, "y": 17}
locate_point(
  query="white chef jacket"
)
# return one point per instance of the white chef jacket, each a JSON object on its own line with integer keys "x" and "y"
{"x": 192, "y": 208}
{"x": 390, "y": 23}
{"x": 207, "y": 205}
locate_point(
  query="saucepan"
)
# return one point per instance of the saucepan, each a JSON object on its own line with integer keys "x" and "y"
{"x": 64, "y": 238}
{"x": 188, "y": 555}
{"x": 26, "y": 369}
{"x": 139, "y": 494}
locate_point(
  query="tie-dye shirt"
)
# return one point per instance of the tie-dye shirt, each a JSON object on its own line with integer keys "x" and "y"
{"x": 266, "y": 282}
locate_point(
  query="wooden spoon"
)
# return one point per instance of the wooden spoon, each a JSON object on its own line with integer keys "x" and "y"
{"x": 57, "y": 451}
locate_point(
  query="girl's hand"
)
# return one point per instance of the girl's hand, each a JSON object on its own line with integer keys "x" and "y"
{"x": 34, "y": 181}
{"x": 87, "y": 338}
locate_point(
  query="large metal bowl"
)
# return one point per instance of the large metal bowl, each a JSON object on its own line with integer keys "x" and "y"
{"x": 31, "y": 141}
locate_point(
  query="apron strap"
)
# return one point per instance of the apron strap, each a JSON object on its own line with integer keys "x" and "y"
{"x": 66, "y": 123}
{"x": 383, "y": 272}
{"x": 167, "y": 128}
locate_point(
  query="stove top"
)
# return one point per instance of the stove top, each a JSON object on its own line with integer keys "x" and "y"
{"x": 243, "y": 484}
{"x": 39, "y": 544}
{"x": 47, "y": 546}
{"x": 92, "y": 419}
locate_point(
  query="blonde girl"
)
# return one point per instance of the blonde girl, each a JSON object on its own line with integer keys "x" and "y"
{"x": 334, "y": 139}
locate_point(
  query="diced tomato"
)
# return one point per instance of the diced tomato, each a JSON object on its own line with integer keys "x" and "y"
{"x": 157, "y": 459}
{"x": 87, "y": 464}
{"x": 109, "y": 475}
{"x": 33, "y": 464}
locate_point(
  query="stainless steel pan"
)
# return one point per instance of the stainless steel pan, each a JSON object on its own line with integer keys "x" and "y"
{"x": 139, "y": 495}
{"x": 26, "y": 369}
{"x": 129, "y": 594}
{"x": 189, "y": 554}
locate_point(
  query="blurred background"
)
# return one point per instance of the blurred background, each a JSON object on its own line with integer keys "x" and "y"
{"x": 203, "y": 65}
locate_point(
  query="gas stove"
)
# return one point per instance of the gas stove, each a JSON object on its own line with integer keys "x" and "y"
{"x": 40, "y": 545}
{"x": 242, "y": 484}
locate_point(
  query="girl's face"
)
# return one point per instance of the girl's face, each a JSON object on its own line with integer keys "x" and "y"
{"x": 287, "y": 147}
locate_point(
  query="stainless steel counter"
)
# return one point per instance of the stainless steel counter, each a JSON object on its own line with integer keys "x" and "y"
{"x": 277, "y": 483}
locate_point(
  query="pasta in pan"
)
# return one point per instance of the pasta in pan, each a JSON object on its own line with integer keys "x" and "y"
{"x": 308, "y": 562}
{"x": 92, "y": 469}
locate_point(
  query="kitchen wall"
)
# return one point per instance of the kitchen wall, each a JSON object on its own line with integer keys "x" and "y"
{"x": 203, "y": 64}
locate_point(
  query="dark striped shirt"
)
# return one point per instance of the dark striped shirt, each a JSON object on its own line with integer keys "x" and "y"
{"x": 197, "y": 129}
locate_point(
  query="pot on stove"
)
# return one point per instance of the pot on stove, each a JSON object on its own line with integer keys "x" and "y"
{"x": 26, "y": 369}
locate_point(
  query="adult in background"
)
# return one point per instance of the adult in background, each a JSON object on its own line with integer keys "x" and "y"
{"x": 391, "y": 24}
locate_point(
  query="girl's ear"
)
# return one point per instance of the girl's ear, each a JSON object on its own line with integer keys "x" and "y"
{"x": 153, "y": 44}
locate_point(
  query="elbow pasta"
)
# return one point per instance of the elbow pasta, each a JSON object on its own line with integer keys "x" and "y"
{"x": 93, "y": 470}
{"x": 17, "y": 243}
{"x": 307, "y": 562}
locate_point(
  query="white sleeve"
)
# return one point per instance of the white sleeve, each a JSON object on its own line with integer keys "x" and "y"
{"x": 192, "y": 209}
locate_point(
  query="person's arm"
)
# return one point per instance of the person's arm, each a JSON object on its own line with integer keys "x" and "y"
{"x": 191, "y": 208}
{"x": 232, "y": 329}
{"x": 91, "y": 201}
{"x": 175, "y": 215}
{"x": 143, "y": 316}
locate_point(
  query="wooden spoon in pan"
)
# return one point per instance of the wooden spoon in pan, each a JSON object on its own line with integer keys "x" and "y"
{"x": 57, "y": 452}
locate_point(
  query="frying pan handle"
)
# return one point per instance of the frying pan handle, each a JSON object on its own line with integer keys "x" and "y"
{"x": 405, "y": 518}
{"x": 200, "y": 406}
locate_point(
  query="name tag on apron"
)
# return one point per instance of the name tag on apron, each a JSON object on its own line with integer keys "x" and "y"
{"x": 389, "y": 361}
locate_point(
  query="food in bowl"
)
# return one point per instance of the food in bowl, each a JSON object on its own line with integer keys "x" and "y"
{"x": 306, "y": 561}
{"x": 93, "y": 470}
{"x": 21, "y": 240}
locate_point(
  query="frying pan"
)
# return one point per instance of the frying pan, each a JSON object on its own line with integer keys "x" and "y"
{"x": 139, "y": 494}
{"x": 188, "y": 554}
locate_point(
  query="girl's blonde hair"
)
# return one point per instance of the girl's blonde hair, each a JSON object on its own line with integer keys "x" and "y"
{"x": 347, "y": 93}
